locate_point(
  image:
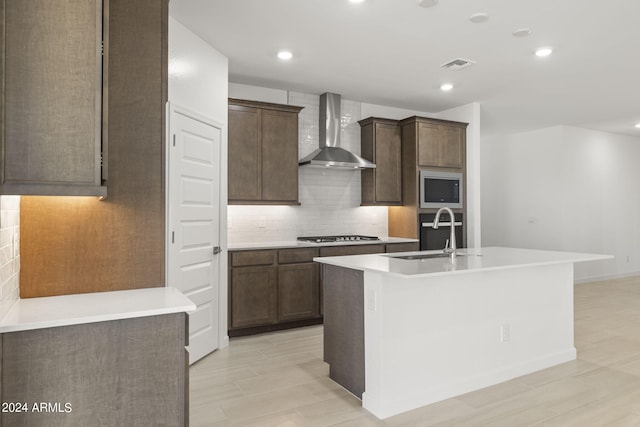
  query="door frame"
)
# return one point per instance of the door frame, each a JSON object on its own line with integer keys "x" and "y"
{"x": 171, "y": 107}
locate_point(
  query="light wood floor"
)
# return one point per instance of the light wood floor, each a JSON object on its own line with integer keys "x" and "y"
{"x": 279, "y": 379}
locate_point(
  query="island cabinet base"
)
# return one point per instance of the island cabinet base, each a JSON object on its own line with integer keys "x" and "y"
{"x": 128, "y": 372}
{"x": 344, "y": 327}
{"x": 425, "y": 339}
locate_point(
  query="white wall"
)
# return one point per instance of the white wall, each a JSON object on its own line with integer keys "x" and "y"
{"x": 198, "y": 81}
{"x": 565, "y": 188}
{"x": 9, "y": 252}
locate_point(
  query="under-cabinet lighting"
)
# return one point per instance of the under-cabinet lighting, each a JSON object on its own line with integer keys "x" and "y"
{"x": 446, "y": 87}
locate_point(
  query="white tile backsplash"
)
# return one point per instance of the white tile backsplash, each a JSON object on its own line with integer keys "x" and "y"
{"x": 9, "y": 251}
{"x": 330, "y": 199}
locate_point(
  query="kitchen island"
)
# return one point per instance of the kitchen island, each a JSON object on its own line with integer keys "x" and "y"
{"x": 409, "y": 329}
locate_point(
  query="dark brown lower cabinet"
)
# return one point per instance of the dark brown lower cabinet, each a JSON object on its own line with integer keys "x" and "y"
{"x": 271, "y": 289}
{"x": 298, "y": 291}
{"x": 254, "y": 296}
{"x": 128, "y": 372}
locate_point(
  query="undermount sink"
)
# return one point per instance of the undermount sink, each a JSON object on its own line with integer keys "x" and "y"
{"x": 425, "y": 256}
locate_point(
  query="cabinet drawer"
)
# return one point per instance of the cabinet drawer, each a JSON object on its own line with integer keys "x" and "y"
{"x": 351, "y": 250}
{"x": 239, "y": 259}
{"x": 403, "y": 247}
{"x": 290, "y": 256}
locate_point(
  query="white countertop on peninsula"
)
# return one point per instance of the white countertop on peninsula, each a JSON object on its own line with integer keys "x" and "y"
{"x": 468, "y": 261}
{"x": 64, "y": 310}
{"x": 296, "y": 244}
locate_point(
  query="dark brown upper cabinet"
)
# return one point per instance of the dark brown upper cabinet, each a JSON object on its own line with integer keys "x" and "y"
{"x": 263, "y": 153}
{"x": 441, "y": 144}
{"x": 381, "y": 144}
{"x": 51, "y": 97}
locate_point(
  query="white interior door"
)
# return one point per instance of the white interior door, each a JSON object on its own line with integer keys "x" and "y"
{"x": 193, "y": 263}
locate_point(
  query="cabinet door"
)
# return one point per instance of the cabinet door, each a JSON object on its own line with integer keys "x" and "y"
{"x": 440, "y": 145}
{"x": 429, "y": 143}
{"x": 253, "y": 296}
{"x": 452, "y": 143}
{"x": 298, "y": 291}
{"x": 279, "y": 156}
{"x": 381, "y": 143}
{"x": 245, "y": 154}
{"x": 52, "y": 95}
{"x": 388, "y": 171}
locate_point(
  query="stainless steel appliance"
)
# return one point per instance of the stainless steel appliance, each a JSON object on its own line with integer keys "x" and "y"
{"x": 431, "y": 238}
{"x": 341, "y": 238}
{"x": 441, "y": 189}
{"x": 330, "y": 154}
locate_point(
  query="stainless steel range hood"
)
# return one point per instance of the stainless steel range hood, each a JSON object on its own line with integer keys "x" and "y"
{"x": 330, "y": 154}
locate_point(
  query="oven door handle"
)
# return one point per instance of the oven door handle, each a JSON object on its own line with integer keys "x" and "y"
{"x": 443, "y": 224}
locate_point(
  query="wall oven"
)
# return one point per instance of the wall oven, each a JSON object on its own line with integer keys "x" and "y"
{"x": 431, "y": 239}
{"x": 441, "y": 189}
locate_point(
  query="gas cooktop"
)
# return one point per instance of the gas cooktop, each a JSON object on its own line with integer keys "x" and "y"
{"x": 343, "y": 238}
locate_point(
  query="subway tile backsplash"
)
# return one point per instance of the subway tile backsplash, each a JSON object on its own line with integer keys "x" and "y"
{"x": 330, "y": 199}
{"x": 9, "y": 251}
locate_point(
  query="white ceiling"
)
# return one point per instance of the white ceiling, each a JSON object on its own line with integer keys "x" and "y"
{"x": 389, "y": 52}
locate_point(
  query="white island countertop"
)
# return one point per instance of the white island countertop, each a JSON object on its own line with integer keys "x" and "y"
{"x": 467, "y": 261}
{"x": 47, "y": 312}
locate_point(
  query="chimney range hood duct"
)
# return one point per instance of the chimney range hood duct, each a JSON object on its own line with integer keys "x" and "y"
{"x": 330, "y": 154}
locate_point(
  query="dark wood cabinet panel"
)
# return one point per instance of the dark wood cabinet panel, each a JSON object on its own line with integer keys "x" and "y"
{"x": 403, "y": 247}
{"x": 263, "y": 153}
{"x": 289, "y": 256}
{"x": 51, "y": 96}
{"x": 253, "y": 296}
{"x": 381, "y": 143}
{"x": 279, "y": 156}
{"x": 246, "y": 258}
{"x": 128, "y": 372}
{"x": 440, "y": 145}
{"x": 298, "y": 291}
{"x": 245, "y": 150}
{"x": 351, "y": 250}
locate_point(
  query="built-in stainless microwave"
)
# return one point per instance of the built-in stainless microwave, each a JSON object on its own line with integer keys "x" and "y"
{"x": 440, "y": 189}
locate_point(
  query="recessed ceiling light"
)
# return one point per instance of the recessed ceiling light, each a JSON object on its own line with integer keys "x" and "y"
{"x": 357, "y": 1}
{"x": 478, "y": 18}
{"x": 544, "y": 51}
{"x": 522, "y": 32}
{"x": 427, "y": 3}
{"x": 285, "y": 55}
{"x": 638, "y": 125}
{"x": 446, "y": 87}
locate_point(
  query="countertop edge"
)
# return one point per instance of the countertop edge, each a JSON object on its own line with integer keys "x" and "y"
{"x": 66, "y": 310}
{"x": 300, "y": 245}
{"x": 343, "y": 261}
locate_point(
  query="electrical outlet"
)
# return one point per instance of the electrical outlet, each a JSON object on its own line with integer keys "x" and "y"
{"x": 374, "y": 219}
{"x": 505, "y": 333}
{"x": 262, "y": 222}
{"x": 372, "y": 303}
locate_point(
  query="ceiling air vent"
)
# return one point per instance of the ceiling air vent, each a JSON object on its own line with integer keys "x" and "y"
{"x": 458, "y": 64}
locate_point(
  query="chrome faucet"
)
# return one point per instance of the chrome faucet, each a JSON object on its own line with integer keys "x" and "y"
{"x": 450, "y": 246}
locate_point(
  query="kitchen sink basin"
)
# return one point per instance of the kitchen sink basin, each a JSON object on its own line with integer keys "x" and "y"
{"x": 425, "y": 256}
